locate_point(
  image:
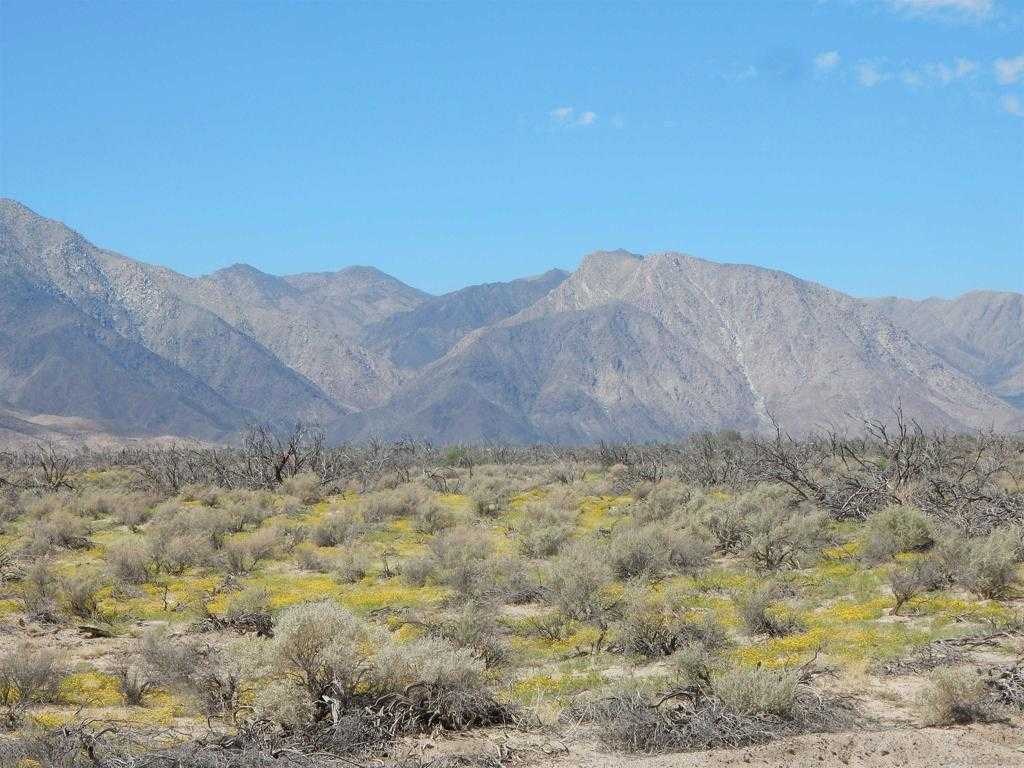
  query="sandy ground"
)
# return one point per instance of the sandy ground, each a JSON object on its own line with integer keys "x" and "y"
{"x": 991, "y": 746}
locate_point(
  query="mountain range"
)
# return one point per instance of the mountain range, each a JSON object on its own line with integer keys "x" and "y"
{"x": 626, "y": 347}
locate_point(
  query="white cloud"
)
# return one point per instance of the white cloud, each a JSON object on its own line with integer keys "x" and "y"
{"x": 948, "y": 73}
{"x": 1009, "y": 71}
{"x": 826, "y": 62}
{"x": 870, "y": 74}
{"x": 561, "y": 115}
{"x": 971, "y": 8}
{"x": 568, "y": 116}
{"x": 1013, "y": 105}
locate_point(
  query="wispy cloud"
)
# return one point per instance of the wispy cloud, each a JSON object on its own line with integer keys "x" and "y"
{"x": 1013, "y": 105}
{"x": 974, "y": 9}
{"x": 1009, "y": 71}
{"x": 568, "y": 116}
{"x": 826, "y": 62}
{"x": 939, "y": 73}
{"x": 869, "y": 74}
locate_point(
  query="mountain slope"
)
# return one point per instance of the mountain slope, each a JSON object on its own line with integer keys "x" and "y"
{"x": 421, "y": 335}
{"x": 133, "y": 301}
{"x": 981, "y": 333}
{"x": 56, "y": 360}
{"x": 654, "y": 348}
{"x": 311, "y": 322}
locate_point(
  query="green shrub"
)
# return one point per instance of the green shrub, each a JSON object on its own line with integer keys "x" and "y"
{"x": 129, "y": 562}
{"x": 305, "y": 486}
{"x": 893, "y": 530}
{"x": 990, "y": 570}
{"x": 639, "y": 551}
{"x": 337, "y": 527}
{"x": 758, "y": 690}
{"x": 577, "y": 579}
{"x": 956, "y": 697}
{"x": 352, "y": 564}
{"x": 762, "y": 614}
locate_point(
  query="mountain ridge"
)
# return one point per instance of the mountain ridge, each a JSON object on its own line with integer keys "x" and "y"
{"x": 625, "y": 347}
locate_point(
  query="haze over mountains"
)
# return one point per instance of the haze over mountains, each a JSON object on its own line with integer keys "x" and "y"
{"x": 624, "y": 348}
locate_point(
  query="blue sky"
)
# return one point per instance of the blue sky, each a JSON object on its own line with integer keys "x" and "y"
{"x": 876, "y": 146}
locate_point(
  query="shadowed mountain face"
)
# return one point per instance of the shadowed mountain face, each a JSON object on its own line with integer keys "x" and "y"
{"x": 624, "y": 348}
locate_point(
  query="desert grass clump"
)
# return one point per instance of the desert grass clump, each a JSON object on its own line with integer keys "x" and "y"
{"x": 893, "y": 530}
{"x": 956, "y": 696}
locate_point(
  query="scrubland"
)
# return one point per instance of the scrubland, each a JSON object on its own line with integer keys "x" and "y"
{"x": 283, "y": 603}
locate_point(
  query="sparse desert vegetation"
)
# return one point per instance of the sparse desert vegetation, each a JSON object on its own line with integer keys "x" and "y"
{"x": 286, "y": 603}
